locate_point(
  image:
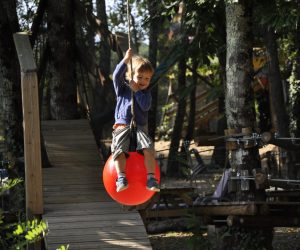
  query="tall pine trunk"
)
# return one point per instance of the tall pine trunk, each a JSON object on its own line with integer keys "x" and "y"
{"x": 192, "y": 105}
{"x": 239, "y": 101}
{"x": 239, "y": 105}
{"x": 294, "y": 99}
{"x": 62, "y": 82}
{"x": 10, "y": 86}
{"x": 104, "y": 43}
{"x": 278, "y": 107}
{"x": 173, "y": 167}
{"x": 153, "y": 47}
{"x": 104, "y": 100}
{"x": 279, "y": 116}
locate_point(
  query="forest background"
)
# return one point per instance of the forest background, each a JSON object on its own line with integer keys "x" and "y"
{"x": 211, "y": 43}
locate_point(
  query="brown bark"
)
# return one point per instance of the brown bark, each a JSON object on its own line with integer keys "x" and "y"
{"x": 192, "y": 109}
{"x": 62, "y": 82}
{"x": 239, "y": 102}
{"x": 294, "y": 99}
{"x": 239, "y": 105}
{"x": 10, "y": 87}
{"x": 153, "y": 48}
{"x": 239, "y": 97}
{"x": 37, "y": 21}
{"x": 172, "y": 167}
{"x": 104, "y": 61}
{"x": 278, "y": 110}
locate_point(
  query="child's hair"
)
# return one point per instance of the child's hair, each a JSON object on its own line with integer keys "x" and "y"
{"x": 139, "y": 64}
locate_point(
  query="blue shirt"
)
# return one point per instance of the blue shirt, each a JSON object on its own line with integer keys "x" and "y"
{"x": 123, "y": 108}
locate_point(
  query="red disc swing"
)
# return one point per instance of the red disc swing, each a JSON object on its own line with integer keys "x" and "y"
{"x": 135, "y": 169}
{"x": 136, "y": 174}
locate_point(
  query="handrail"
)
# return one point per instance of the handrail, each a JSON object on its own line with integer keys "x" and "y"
{"x": 31, "y": 126}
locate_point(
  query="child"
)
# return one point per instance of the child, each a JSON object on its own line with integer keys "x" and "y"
{"x": 142, "y": 72}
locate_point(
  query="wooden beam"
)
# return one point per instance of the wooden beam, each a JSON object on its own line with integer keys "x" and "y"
{"x": 215, "y": 210}
{"x": 264, "y": 221}
{"x": 31, "y": 126}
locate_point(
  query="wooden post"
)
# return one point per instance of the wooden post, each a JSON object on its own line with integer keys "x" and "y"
{"x": 31, "y": 126}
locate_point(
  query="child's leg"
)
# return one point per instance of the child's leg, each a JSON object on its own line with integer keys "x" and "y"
{"x": 120, "y": 144}
{"x": 120, "y": 163}
{"x": 150, "y": 166}
{"x": 149, "y": 160}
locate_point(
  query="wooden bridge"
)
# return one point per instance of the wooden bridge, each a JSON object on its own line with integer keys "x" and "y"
{"x": 77, "y": 208}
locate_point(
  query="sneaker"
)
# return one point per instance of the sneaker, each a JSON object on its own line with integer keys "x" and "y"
{"x": 152, "y": 185}
{"x": 121, "y": 184}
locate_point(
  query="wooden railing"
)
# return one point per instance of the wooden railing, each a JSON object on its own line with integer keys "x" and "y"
{"x": 31, "y": 126}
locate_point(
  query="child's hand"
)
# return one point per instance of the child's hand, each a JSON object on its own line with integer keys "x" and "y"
{"x": 134, "y": 86}
{"x": 128, "y": 55}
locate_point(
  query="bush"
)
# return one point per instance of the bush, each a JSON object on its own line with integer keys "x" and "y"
{"x": 17, "y": 234}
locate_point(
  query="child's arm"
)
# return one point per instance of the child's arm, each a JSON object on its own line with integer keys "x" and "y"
{"x": 120, "y": 70}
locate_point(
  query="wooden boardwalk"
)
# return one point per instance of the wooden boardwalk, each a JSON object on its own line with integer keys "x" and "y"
{"x": 78, "y": 210}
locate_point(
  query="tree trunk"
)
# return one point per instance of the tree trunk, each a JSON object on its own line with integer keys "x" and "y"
{"x": 238, "y": 94}
{"x": 219, "y": 153}
{"x": 103, "y": 106}
{"x": 104, "y": 43}
{"x": 294, "y": 99}
{"x": 239, "y": 101}
{"x": 239, "y": 104}
{"x": 277, "y": 102}
{"x": 192, "y": 110}
{"x": 11, "y": 119}
{"x": 10, "y": 87}
{"x": 153, "y": 47}
{"x": 62, "y": 82}
{"x": 173, "y": 167}
{"x": 278, "y": 110}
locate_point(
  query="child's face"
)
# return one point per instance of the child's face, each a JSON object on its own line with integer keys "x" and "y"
{"x": 142, "y": 79}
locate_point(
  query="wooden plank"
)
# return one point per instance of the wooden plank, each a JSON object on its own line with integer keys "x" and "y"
{"x": 136, "y": 230}
{"x": 80, "y": 206}
{"x": 95, "y": 217}
{"x": 90, "y": 211}
{"x": 105, "y": 226}
{"x": 120, "y": 244}
{"x": 73, "y": 199}
{"x": 31, "y": 126}
{"x": 107, "y": 236}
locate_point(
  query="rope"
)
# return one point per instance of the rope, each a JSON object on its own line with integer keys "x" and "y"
{"x": 128, "y": 20}
{"x": 131, "y": 73}
{"x": 133, "y": 132}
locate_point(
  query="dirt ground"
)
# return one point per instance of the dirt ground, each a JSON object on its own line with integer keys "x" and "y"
{"x": 284, "y": 238}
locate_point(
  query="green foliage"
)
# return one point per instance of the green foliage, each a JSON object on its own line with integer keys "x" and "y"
{"x": 16, "y": 235}
{"x": 8, "y": 184}
{"x": 63, "y": 248}
{"x": 281, "y": 15}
